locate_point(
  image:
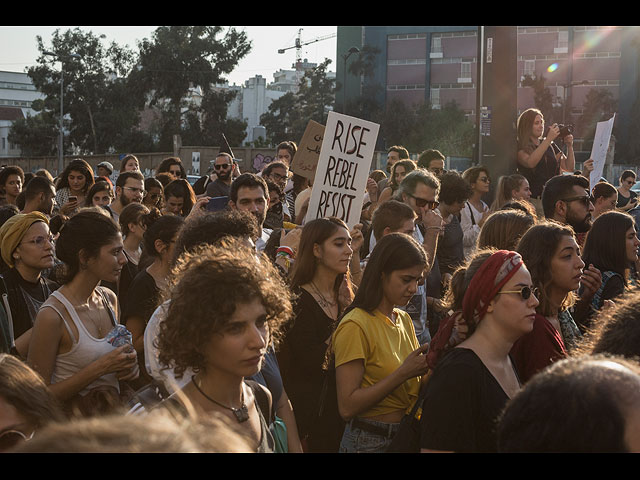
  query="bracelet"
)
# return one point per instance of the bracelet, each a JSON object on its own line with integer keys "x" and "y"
{"x": 286, "y": 250}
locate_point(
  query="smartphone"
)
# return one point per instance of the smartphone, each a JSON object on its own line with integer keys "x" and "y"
{"x": 73, "y": 198}
{"x": 217, "y": 203}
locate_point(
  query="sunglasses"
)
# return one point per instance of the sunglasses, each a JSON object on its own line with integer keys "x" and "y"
{"x": 11, "y": 438}
{"x": 421, "y": 202}
{"x": 222, "y": 165}
{"x": 584, "y": 199}
{"x": 525, "y": 292}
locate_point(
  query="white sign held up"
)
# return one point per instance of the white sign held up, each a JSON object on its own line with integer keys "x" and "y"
{"x": 343, "y": 168}
{"x": 599, "y": 151}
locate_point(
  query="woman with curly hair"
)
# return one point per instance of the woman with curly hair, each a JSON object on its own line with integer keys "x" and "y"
{"x": 226, "y": 344}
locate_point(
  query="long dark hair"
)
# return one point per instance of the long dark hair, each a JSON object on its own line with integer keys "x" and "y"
{"x": 604, "y": 246}
{"x": 395, "y": 251}
{"x": 304, "y": 267}
{"x": 77, "y": 165}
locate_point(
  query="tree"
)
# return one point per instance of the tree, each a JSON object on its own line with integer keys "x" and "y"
{"x": 36, "y": 135}
{"x": 99, "y": 106}
{"x": 543, "y": 99}
{"x": 288, "y": 116}
{"x": 179, "y": 58}
{"x": 599, "y": 105}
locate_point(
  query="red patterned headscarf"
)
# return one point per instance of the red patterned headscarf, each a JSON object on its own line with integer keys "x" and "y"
{"x": 494, "y": 273}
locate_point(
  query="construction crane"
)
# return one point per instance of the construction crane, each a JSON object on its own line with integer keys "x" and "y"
{"x": 298, "y": 46}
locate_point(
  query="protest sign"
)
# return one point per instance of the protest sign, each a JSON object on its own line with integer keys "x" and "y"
{"x": 305, "y": 160}
{"x": 599, "y": 149}
{"x": 343, "y": 168}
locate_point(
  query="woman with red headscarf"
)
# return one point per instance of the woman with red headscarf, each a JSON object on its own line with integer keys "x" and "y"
{"x": 473, "y": 381}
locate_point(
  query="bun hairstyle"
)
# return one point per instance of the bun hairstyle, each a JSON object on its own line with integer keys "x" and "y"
{"x": 84, "y": 234}
{"x": 159, "y": 227}
{"x": 461, "y": 278}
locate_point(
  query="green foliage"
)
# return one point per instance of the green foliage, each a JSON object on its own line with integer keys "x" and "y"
{"x": 108, "y": 87}
{"x": 599, "y": 105}
{"x": 177, "y": 59}
{"x": 100, "y": 108}
{"x": 288, "y": 116}
{"x": 36, "y": 135}
{"x": 422, "y": 127}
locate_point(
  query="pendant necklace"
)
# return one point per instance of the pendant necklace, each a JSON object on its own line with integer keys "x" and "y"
{"x": 242, "y": 413}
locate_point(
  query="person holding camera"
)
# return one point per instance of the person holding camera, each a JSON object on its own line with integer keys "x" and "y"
{"x": 540, "y": 158}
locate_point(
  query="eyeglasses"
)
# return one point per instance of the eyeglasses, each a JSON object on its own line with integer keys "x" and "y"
{"x": 137, "y": 190}
{"x": 436, "y": 171}
{"x": 11, "y": 438}
{"x": 421, "y": 202}
{"x": 584, "y": 199}
{"x": 222, "y": 165}
{"x": 39, "y": 241}
{"x": 525, "y": 292}
{"x": 277, "y": 177}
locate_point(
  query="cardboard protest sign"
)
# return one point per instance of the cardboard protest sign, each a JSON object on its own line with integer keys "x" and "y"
{"x": 599, "y": 150}
{"x": 305, "y": 160}
{"x": 343, "y": 168}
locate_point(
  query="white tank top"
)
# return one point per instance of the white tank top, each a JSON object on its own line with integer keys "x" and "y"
{"x": 84, "y": 351}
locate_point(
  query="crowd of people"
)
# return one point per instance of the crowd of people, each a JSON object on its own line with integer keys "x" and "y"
{"x": 152, "y": 315}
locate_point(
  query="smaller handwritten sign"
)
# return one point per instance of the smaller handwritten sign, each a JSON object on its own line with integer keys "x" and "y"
{"x": 306, "y": 159}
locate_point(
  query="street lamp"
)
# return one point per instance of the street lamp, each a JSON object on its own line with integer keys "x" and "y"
{"x": 351, "y": 51}
{"x": 61, "y": 136}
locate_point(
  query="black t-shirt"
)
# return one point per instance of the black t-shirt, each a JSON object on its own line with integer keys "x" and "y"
{"x": 144, "y": 297}
{"x": 462, "y": 403}
{"x": 547, "y": 167}
{"x": 623, "y": 201}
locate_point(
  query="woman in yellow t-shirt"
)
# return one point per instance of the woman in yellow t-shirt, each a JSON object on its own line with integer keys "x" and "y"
{"x": 377, "y": 356}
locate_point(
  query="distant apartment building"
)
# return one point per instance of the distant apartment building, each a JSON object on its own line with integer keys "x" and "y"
{"x": 17, "y": 93}
{"x": 439, "y": 64}
{"x": 256, "y": 95}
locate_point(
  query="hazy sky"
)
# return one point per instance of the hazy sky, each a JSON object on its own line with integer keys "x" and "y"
{"x": 18, "y": 48}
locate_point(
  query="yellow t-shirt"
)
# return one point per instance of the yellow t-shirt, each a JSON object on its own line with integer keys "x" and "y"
{"x": 383, "y": 346}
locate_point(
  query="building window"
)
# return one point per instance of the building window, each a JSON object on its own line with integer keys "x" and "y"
{"x": 529, "y": 68}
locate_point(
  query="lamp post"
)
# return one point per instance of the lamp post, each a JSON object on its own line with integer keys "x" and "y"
{"x": 61, "y": 136}
{"x": 351, "y": 51}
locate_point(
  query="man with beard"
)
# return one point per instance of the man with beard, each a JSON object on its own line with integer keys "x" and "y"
{"x": 224, "y": 167}
{"x": 249, "y": 193}
{"x": 38, "y": 196}
{"x": 129, "y": 188}
{"x": 566, "y": 199}
{"x": 278, "y": 173}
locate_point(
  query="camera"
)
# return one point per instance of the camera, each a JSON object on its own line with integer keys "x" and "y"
{"x": 565, "y": 130}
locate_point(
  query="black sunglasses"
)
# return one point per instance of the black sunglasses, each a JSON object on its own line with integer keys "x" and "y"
{"x": 222, "y": 165}
{"x": 421, "y": 202}
{"x": 525, "y": 292}
{"x": 584, "y": 199}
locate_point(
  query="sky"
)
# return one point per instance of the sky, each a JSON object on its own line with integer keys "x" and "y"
{"x": 18, "y": 47}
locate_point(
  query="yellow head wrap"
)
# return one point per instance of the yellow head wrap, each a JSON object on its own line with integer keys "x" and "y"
{"x": 13, "y": 230}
